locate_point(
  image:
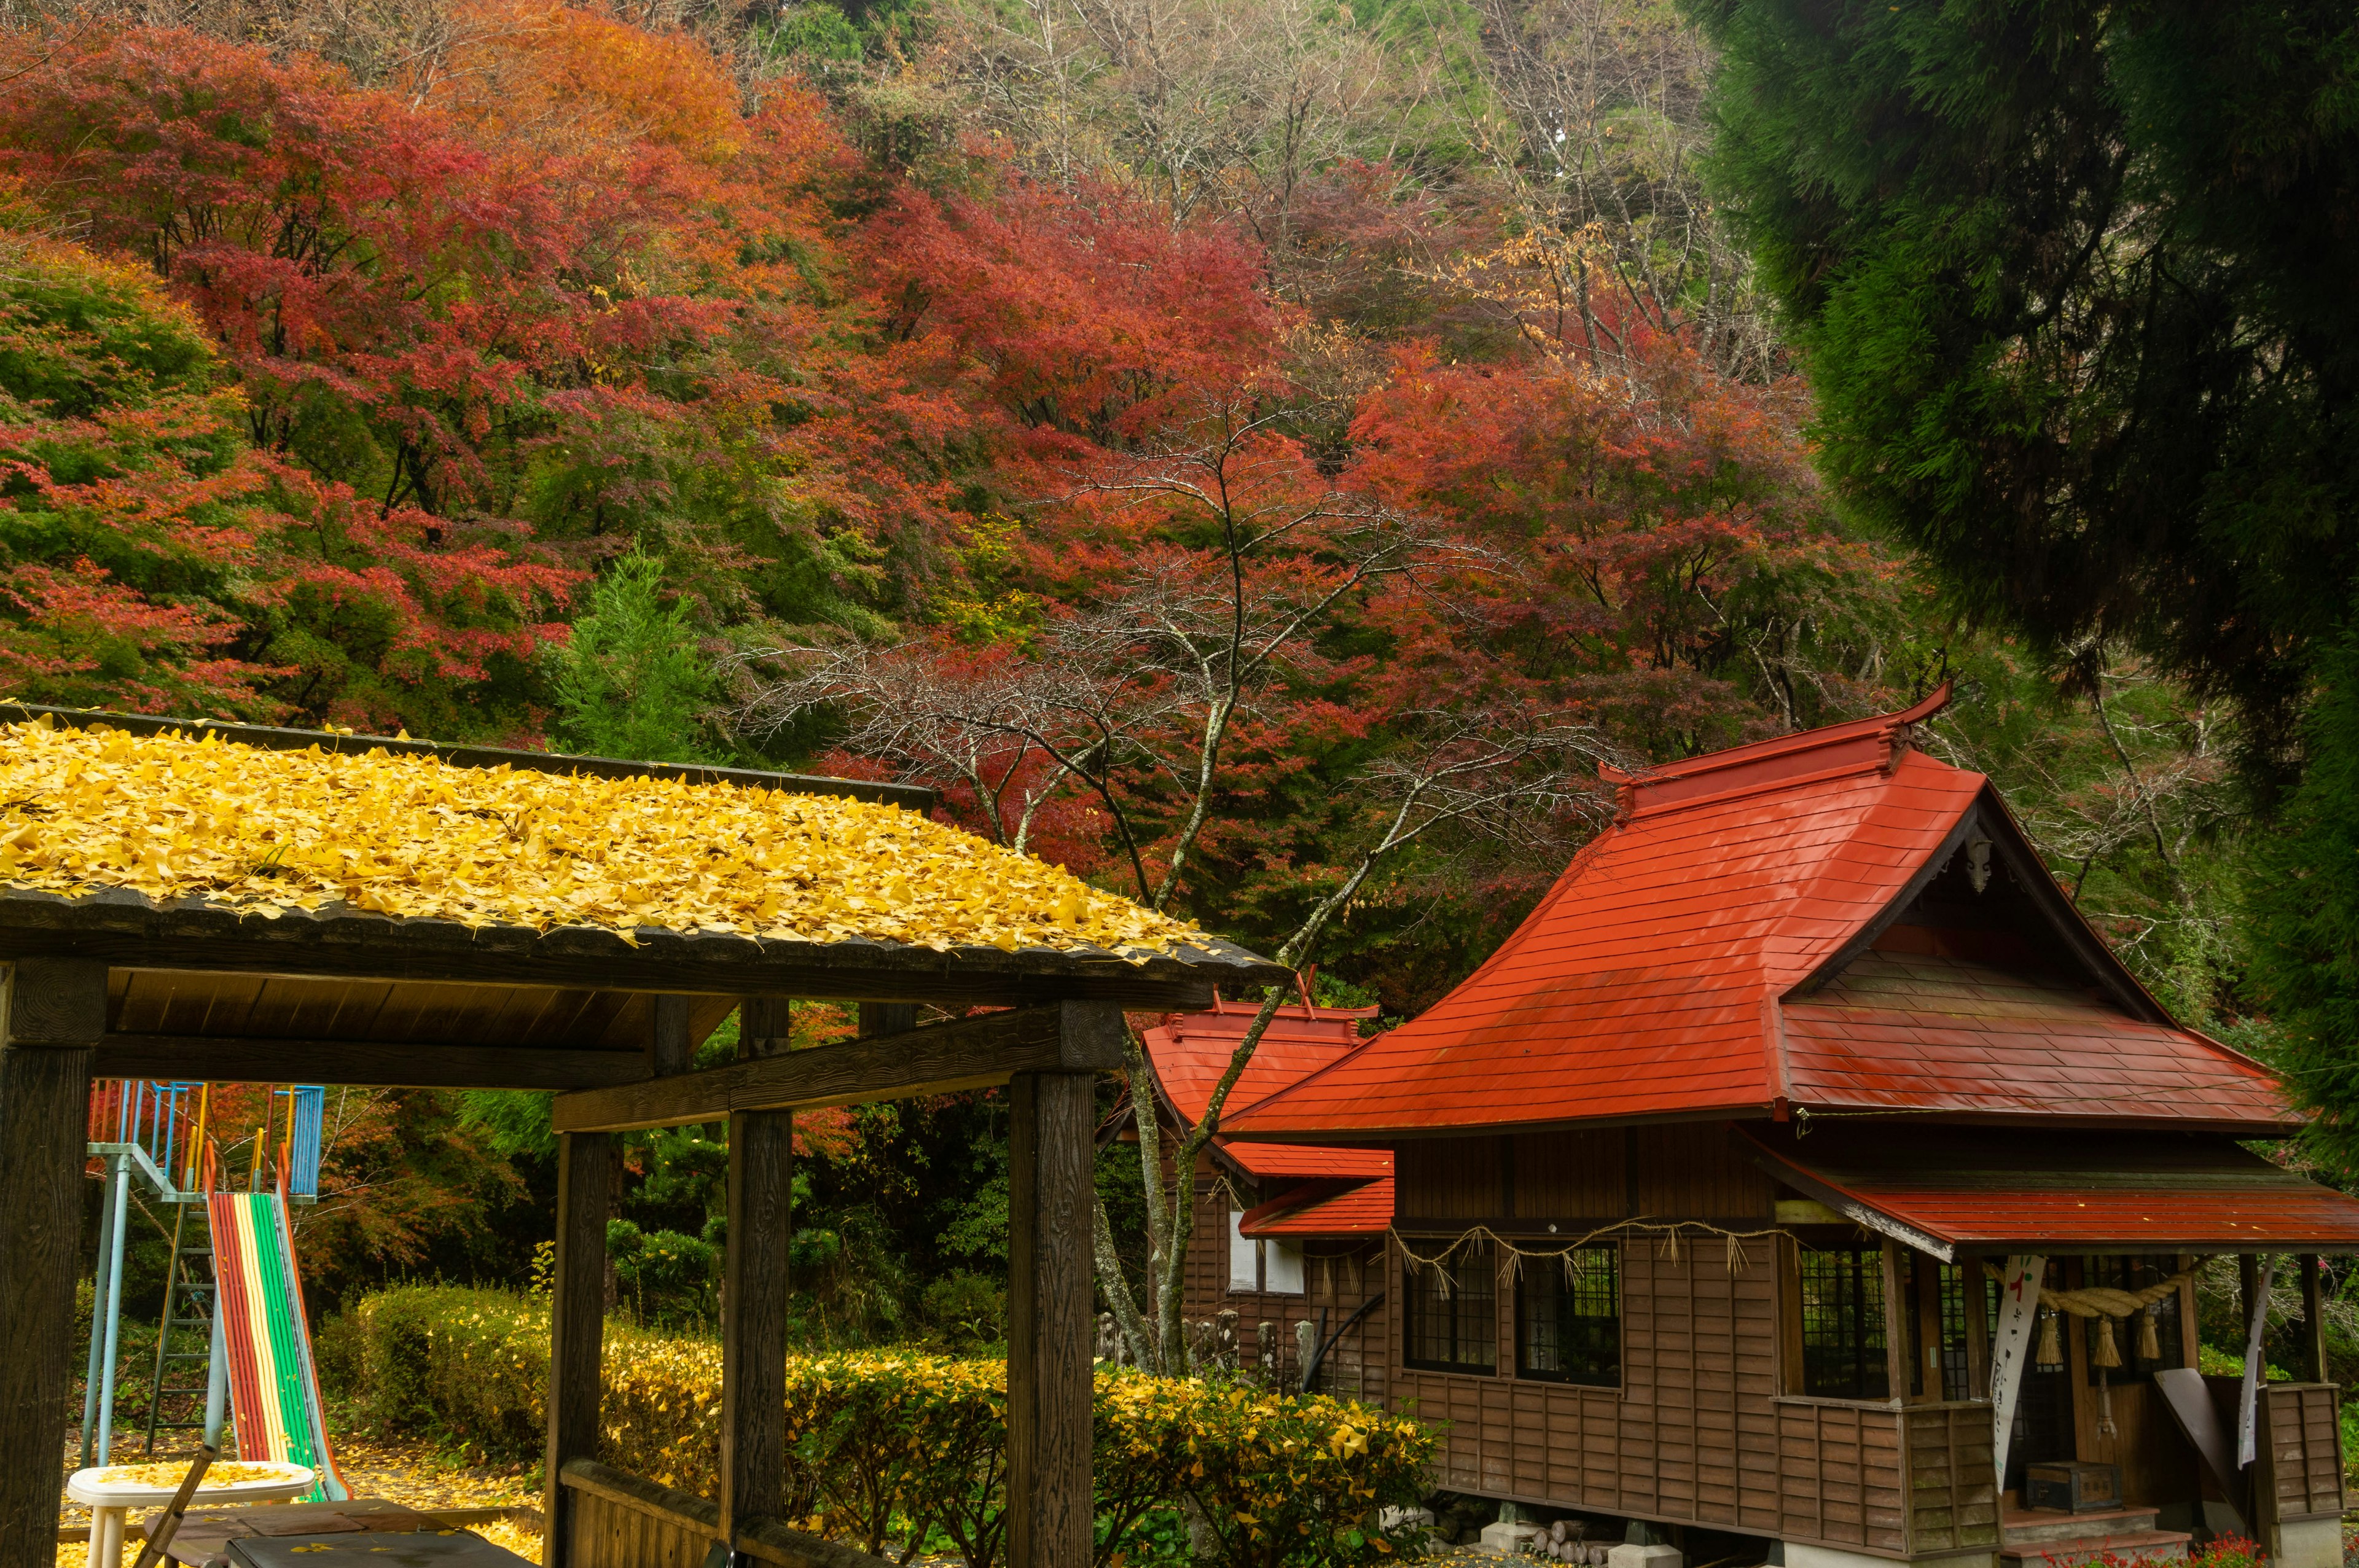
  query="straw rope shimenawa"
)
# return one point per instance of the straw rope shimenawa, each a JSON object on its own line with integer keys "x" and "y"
{"x": 1667, "y": 1231}
{"x": 2102, "y": 1304}
{"x": 262, "y": 831}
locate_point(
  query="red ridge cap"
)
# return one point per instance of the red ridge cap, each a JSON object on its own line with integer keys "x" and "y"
{"x": 1832, "y": 750}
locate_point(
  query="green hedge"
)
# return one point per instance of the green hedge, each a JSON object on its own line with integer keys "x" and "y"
{"x": 896, "y": 1445}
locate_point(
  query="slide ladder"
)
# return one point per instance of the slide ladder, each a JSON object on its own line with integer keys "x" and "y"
{"x": 188, "y": 1315}
{"x": 274, "y": 1385}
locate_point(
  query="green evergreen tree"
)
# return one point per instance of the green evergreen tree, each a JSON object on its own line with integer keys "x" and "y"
{"x": 2071, "y": 283}
{"x": 632, "y": 682}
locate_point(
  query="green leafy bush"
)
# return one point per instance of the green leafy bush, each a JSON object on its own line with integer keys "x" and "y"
{"x": 902, "y": 1445}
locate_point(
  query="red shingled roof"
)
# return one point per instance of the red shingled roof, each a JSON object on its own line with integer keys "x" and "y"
{"x": 1189, "y": 1051}
{"x": 1324, "y": 1208}
{"x": 1670, "y": 973}
{"x": 1947, "y": 1190}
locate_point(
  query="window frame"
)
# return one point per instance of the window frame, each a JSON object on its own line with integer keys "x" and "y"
{"x": 1871, "y": 1356}
{"x": 1551, "y": 1268}
{"x": 1472, "y": 1261}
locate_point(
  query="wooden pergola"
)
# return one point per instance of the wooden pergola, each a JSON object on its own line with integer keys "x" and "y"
{"x": 109, "y": 983}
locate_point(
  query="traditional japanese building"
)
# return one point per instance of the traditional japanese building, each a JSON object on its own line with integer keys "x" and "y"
{"x": 1284, "y": 1234}
{"x": 1726, "y": 1190}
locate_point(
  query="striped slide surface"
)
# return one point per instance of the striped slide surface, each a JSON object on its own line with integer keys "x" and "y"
{"x": 274, "y": 1391}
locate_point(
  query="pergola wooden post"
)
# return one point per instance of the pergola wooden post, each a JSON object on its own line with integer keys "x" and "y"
{"x": 577, "y": 1320}
{"x": 55, "y": 1013}
{"x": 1049, "y": 1058}
{"x": 107, "y": 981}
{"x": 1049, "y": 1300}
{"x": 754, "y": 1287}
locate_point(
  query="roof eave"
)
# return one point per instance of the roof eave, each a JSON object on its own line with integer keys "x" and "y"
{"x": 130, "y": 930}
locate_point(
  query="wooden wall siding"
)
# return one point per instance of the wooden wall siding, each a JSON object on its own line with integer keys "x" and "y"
{"x": 1451, "y": 1178}
{"x": 1697, "y": 1433}
{"x": 2304, "y": 1450}
{"x": 1568, "y": 1175}
{"x": 1841, "y": 1476}
{"x": 1695, "y": 1168}
{"x": 1954, "y": 1498}
{"x": 1675, "y": 1169}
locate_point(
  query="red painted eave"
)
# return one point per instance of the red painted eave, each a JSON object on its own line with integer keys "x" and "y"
{"x": 1324, "y": 1208}
{"x": 1952, "y": 1191}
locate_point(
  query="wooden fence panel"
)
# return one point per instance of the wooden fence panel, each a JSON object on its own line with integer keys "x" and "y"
{"x": 619, "y": 1520}
{"x": 1954, "y": 1501}
{"x": 622, "y": 1521}
{"x": 2305, "y": 1449}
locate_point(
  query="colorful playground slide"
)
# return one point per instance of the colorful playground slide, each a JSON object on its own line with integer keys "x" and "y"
{"x": 273, "y": 1388}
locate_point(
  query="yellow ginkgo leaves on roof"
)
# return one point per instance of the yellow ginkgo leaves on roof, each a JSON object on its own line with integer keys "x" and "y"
{"x": 176, "y": 816}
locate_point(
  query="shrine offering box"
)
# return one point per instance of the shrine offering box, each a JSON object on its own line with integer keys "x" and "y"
{"x": 2072, "y": 1487}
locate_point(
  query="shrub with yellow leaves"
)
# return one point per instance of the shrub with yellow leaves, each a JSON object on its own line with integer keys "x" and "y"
{"x": 263, "y": 831}
{"x": 898, "y": 1444}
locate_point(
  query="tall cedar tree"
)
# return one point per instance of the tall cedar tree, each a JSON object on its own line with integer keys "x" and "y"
{"x": 2071, "y": 283}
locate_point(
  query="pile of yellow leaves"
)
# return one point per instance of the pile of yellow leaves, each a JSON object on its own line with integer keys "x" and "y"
{"x": 178, "y": 817}
{"x": 170, "y": 1473}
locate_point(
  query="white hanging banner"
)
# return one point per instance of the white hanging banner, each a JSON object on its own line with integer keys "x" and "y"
{"x": 2011, "y": 1350}
{"x": 2249, "y": 1407}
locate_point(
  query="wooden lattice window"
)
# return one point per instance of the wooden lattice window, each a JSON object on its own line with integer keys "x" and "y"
{"x": 1451, "y": 1319}
{"x": 1841, "y": 1310}
{"x": 1568, "y": 1317}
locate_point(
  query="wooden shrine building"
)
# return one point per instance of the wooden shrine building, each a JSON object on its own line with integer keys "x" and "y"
{"x": 1805, "y": 1167}
{"x": 1283, "y": 1235}
{"x": 194, "y": 901}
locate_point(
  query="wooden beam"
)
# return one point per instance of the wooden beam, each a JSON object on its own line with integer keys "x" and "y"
{"x": 887, "y": 1017}
{"x": 585, "y": 1179}
{"x": 754, "y": 1320}
{"x": 963, "y": 1054}
{"x": 1898, "y": 1321}
{"x": 670, "y": 1051}
{"x": 766, "y": 1025}
{"x": 389, "y": 1064}
{"x": 1049, "y": 1286}
{"x": 121, "y": 927}
{"x": 55, "y": 1012}
{"x": 2313, "y": 1356}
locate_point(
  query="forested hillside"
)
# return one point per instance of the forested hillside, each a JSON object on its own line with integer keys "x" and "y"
{"x": 1265, "y": 455}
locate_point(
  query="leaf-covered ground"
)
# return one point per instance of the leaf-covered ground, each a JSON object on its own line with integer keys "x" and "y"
{"x": 400, "y": 1470}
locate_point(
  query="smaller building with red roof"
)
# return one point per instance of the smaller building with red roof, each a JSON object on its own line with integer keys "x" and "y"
{"x": 1284, "y": 1234}
{"x": 1806, "y": 1168}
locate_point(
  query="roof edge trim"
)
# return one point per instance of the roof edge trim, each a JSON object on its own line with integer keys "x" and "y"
{"x": 1850, "y": 1204}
